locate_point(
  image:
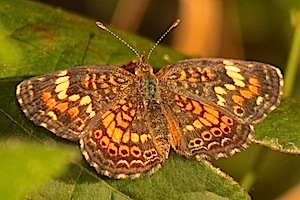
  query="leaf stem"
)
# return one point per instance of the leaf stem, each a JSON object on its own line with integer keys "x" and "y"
{"x": 250, "y": 176}
{"x": 293, "y": 60}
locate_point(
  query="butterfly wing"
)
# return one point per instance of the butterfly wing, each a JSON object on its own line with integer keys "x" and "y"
{"x": 211, "y": 104}
{"x": 100, "y": 107}
{"x": 65, "y": 102}
{"x": 246, "y": 89}
{"x": 128, "y": 141}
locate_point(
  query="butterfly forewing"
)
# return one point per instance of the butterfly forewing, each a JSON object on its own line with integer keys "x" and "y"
{"x": 66, "y": 102}
{"x": 245, "y": 90}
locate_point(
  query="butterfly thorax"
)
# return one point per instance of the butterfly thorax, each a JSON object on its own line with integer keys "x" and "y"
{"x": 149, "y": 85}
{"x": 147, "y": 81}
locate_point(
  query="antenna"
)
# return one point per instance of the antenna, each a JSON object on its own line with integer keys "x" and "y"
{"x": 162, "y": 37}
{"x": 103, "y": 27}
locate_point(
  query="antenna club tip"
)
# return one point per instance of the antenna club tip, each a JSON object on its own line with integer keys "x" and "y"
{"x": 101, "y": 25}
{"x": 176, "y": 23}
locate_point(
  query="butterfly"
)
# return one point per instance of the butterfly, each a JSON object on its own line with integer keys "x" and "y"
{"x": 127, "y": 123}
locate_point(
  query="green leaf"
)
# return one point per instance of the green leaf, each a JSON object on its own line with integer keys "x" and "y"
{"x": 280, "y": 131}
{"x": 25, "y": 167}
{"x": 35, "y": 42}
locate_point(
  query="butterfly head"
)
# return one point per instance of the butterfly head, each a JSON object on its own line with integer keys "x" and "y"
{"x": 142, "y": 66}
